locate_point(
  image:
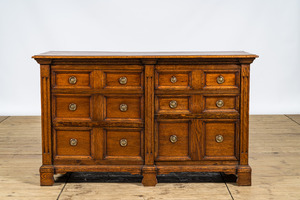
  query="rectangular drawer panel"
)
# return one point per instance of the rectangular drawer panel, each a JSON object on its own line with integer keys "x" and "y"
{"x": 70, "y": 107}
{"x": 220, "y": 140}
{"x": 125, "y": 80}
{"x": 172, "y": 104}
{"x": 221, "y": 79}
{"x": 173, "y": 80}
{"x": 124, "y": 107}
{"x": 221, "y": 103}
{"x": 123, "y": 144}
{"x": 71, "y": 79}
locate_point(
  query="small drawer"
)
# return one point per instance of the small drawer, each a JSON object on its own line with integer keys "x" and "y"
{"x": 121, "y": 79}
{"x": 124, "y": 108}
{"x": 221, "y": 103}
{"x": 72, "y": 143}
{"x": 123, "y": 144}
{"x": 228, "y": 79}
{"x": 172, "y": 141}
{"x": 172, "y": 104}
{"x": 68, "y": 107}
{"x": 220, "y": 140}
{"x": 173, "y": 80}
{"x": 71, "y": 79}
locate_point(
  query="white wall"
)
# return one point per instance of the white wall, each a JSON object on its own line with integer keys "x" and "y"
{"x": 269, "y": 28}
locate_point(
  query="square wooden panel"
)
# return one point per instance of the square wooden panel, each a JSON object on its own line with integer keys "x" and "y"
{"x": 123, "y": 79}
{"x": 71, "y": 107}
{"x": 221, "y": 103}
{"x": 71, "y": 79}
{"x": 134, "y": 107}
{"x": 173, "y": 80}
{"x": 221, "y": 140}
{"x": 162, "y": 104}
{"x": 231, "y": 79}
{"x": 178, "y": 150}
{"x": 130, "y": 148}
{"x": 81, "y": 149}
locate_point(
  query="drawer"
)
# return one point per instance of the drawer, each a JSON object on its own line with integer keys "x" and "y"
{"x": 71, "y": 79}
{"x": 123, "y": 80}
{"x": 172, "y": 140}
{"x": 173, "y": 80}
{"x": 70, "y": 107}
{"x": 172, "y": 104}
{"x": 123, "y": 144}
{"x": 221, "y": 103}
{"x": 124, "y": 107}
{"x": 220, "y": 141}
{"x": 221, "y": 79}
{"x": 72, "y": 143}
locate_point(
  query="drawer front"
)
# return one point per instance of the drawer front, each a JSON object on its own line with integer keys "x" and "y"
{"x": 123, "y": 80}
{"x": 72, "y": 79}
{"x": 221, "y": 79}
{"x": 73, "y": 143}
{"x": 174, "y": 80}
{"x": 124, "y": 107}
{"x": 123, "y": 144}
{"x": 221, "y": 103}
{"x": 172, "y": 104}
{"x": 172, "y": 141}
{"x": 70, "y": 107}
{"x": 220, "y": 141}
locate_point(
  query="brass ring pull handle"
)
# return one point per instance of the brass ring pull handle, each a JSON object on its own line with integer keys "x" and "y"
{"x": 72, "y": 79}
{"x": 173, "y": 79}
{"x": 123, "y": 142}
{"x": 72, "y": 106}
{"x": 219, "y": 138}
{"x": 123, "y": 80}
{"x": 220, "y": 103}
{"x": 123, "y": 107}
{"x": 173, "y": 138}
{"x": 73, "y": 142}
{"x": 220, "y": 79}
{"x": 173, "y": 104}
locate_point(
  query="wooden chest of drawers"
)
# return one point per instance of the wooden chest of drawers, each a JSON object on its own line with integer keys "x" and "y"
{"x": 145, "y": 113}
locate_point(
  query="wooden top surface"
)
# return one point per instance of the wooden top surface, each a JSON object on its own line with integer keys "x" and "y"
{"x": 112, "y": 54}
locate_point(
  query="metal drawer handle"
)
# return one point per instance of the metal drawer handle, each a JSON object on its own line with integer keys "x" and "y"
{"x": 173, "y": 138}
{"x": 173, "y": 79}
{"x": 73, "y": 142}
{"x": 173, "y": 104}
{"x": 220, "y": 103}
{"x": 123, "y": 107}
{"x": 219, "y": 138}
{"x": 220, "y": 79}
{"x": 123, "y": 142}
{"x": 72, "y": 106}
{"x": 123, "y": 80}
{"x": 72, "y": 80}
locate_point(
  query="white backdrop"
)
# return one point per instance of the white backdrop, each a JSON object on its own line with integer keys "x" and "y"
{"x": 269, "y": 28}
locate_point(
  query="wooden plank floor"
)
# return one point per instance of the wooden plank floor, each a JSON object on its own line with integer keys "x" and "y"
{"x": 274, "y": 158}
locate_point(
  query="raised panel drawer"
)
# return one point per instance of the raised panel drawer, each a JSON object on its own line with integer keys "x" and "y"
{"x": 172, "y": 104}
{"x": 72, "y": 79}
{"x": 173, "y": 80}
{"x": 123, "y": 144}
{"x": 221, "y": 79}
{"x": 221, "y": 103}
{"x": 123, "y": 80}
{"x": 221, "y": 139}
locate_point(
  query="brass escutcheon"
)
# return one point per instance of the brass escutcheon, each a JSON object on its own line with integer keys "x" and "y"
{"x": 123, "y": 142}
{"x": 220, "y": 79}
{"x": 123, "y": 80}
{"x": 72, "y": 106}
{"x": 173, "y": 79}
{"x": 220, "y": 103}
{"x": 72, "y": 80}
{"x": 173, "y": 104}
{"x": 73, "y": 142}
{"x": 219, "y": 138}
{"x": 123, "y": 107}
{"x": 173, "y": 138}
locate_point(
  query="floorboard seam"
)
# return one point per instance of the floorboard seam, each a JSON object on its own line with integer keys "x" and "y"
{"x": 62, "y": 189}
{"x": 226, "y": 186}
{"x": 4, "y": 119}
{"x": 292, "y": 119}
